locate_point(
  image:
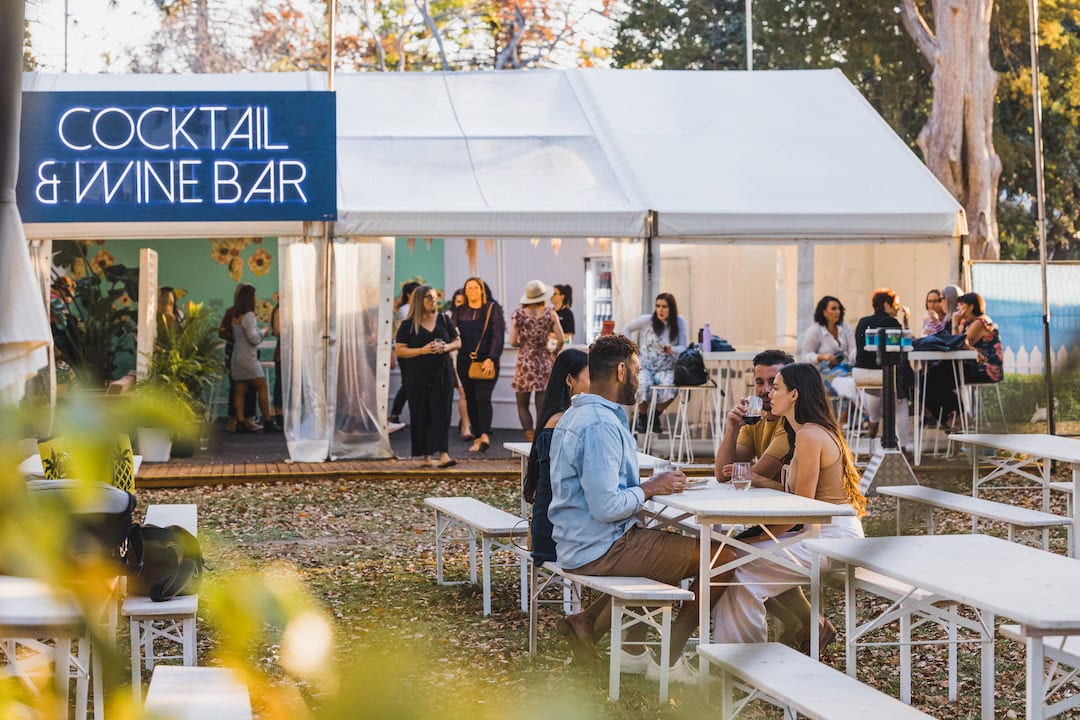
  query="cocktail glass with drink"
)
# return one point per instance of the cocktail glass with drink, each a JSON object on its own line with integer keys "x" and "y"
{"x": 752, "y": 412}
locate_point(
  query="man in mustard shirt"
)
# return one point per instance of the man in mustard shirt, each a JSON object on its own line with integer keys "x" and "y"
{"x": 765, "y": 444}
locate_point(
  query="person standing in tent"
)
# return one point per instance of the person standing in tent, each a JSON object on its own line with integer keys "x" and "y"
{"x": 530, "y": 326}
{"x": 394, "y": 421}
{"x": 425, "y": 339}
{"x": 225, "y": 332}
{"x": 562, "y": 297}
{"x": 483, "y": 329}
{"x": 245, "y": 367}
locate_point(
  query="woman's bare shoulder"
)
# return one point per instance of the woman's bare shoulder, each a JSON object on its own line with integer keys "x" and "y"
{"x": 812, "y": 433}
{"x": 553, "y": 420}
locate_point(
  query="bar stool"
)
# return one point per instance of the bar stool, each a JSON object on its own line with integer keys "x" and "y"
{"x": 978, "y": 407}
{"x": 681, "y": 448}
{"x": 855, "y": 419}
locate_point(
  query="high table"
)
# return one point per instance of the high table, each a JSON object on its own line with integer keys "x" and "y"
{"x": 1043, "y": 448}
{"x": 920, "y": 360}
{"x": 721, "y": 504}
{"x": 994, "y": 577}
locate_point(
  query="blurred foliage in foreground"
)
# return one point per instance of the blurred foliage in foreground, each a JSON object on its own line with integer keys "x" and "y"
{"x": 245, "y": 611}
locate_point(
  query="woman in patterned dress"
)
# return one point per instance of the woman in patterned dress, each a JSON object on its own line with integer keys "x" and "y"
{"x": 530, "y": 326}
{"x": 982, "y": 336}
{"x": 663, "y": 337}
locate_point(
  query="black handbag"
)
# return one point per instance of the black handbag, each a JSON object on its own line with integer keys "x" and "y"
{"x": 941, "y": 341}
{"x": 690, "y": 368}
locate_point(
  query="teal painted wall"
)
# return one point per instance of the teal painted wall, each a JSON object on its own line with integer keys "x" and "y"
{"x": 421, "y": 262}
{"x": 208, "y": 270}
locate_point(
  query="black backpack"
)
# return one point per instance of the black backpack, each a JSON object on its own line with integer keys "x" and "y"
{"x": 169, "y": 562}
{"x": 690, "y": 368}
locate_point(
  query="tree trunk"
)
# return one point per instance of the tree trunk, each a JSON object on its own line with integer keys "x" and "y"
{"x": 957, "y": 141}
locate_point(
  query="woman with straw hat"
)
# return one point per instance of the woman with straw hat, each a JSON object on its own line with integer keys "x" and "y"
{"x": 530, "y": 326}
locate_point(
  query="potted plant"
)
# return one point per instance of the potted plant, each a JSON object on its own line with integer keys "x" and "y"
{"x": 92, "y": 316}
{"x": 187, "y": 364}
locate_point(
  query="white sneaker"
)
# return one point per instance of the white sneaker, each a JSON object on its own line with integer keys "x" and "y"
{"x": 680, "y": 672}
{"x": 632, "y": 664}
{"x": 393, "y": 427}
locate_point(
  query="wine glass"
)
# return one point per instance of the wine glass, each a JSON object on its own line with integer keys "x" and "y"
{"x": 752, "y": 413}
{"x": 740, "y": 476}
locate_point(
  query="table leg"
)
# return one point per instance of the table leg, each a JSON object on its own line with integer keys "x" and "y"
{"x": 705, "y": 583}
{"x": 987, "y": 669}
{"x": 61, "y": 662}
{"x": 919, "y": 412}
{"x": 850, "y": 620}
{"x": 815, "y": 603}
{"x": 1035, "y": 679}
{"x": 1074, "y": 530}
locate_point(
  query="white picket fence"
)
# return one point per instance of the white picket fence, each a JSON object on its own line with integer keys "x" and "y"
{"x": 1030, "y": 362}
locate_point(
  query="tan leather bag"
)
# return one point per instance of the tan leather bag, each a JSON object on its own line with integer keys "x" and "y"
{"x": 476, "y": 368}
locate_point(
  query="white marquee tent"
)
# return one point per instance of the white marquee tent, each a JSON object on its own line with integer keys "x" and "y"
{"x": 721, "y": 157}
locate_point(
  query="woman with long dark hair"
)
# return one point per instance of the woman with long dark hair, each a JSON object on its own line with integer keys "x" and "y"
{"x": 245, "y": 367}
{"x": 830, "y": 344}
{"x": 425, "y": 339}
{"x": 821, "y": 468}
{"x": 663, "y": 337}
{"x": 483, "y": 331}
{"x": 569, "y": 376}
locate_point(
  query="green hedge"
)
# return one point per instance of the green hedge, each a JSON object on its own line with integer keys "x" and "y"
{"x": 1021, "y": 393}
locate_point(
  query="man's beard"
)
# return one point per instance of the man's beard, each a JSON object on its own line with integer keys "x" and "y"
{"x": 627, "y": 394}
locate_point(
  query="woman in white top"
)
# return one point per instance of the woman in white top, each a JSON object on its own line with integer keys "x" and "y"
{"x": 663, "y": 337}
{"x": 830, "y": 344}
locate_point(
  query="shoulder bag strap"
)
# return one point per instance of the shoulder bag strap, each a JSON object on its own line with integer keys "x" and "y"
{"x": 479, "y": 342}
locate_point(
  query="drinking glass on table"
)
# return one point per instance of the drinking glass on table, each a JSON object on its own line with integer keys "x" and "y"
{"x": 740, "y": 476}
{"x": 752, "y": 412}
{"x": 663, "y": 466}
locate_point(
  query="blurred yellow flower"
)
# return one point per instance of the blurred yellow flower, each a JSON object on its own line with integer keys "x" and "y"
{"x": 101, "y": 261}
{"x": 306, "y": 645}
{"x": 260, "y": 262}
{"x": 236, "y": 269}
{"x": 78, "y": 269}
{"x": 263, "y": 310}
{"x": 220, "y": 252}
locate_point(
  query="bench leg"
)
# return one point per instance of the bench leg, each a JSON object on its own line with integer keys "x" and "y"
{"x": 665, "y": 651}
{"x": 99, "y": 683}
{"x": 534, "y": 601}
{"x": 189, "y": 642}
{"x": 472, "y": 557}
{"x": 849, "y": 618}
{"x": 440, "y": 528}
{"x": 905, "y": 655}
{"x": 82, "y": 678}
{"x": 61, "y": 666}
{"x": 615, "y": 660}
{"x": 952, "y": 653}
{"x": 485, "y": 568}
{"x": 136, "y": 660}
{"x": 726, "y": 689}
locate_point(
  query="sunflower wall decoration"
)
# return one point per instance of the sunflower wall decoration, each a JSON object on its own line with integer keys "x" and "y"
{"x": 229, "y": 252}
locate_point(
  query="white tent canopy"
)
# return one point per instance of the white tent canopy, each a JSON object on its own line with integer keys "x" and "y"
{"x": 503, "y": 154}
{"x": 771, "y": 155}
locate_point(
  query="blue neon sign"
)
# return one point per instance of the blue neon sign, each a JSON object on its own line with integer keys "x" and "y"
{"x": 177, "y": 156}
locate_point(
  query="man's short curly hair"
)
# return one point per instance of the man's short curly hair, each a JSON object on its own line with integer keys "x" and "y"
{"x": 607, "y": 352}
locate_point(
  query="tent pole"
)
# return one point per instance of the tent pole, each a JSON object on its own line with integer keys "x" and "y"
{"x": 1040, "y": 194}
{"x": 331, "y": 6}
{"x": 328, "y": 295}
{"x": 650, "y": 286}
{"x": 749, "y": 35}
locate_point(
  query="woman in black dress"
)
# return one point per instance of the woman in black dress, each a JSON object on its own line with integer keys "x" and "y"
{"x": 561, "y": 299}
{"x": 483, "y": 331}
{"x": 426, "y": 338}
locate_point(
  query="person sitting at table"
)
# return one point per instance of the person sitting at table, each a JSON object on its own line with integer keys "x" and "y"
{"x": 596, "y": 495}
{"x": 821, "y": 468}
{"x": 569, "y": 377}
{"x": 765, "y": 444}
{"x": 830, "y": 344}
{"x": 934, "y": 321}
{"x": 888, "y": 313}
{"x": 981, "y": 334}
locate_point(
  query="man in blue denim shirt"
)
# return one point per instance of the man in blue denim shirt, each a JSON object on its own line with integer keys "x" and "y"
{"x": 596, "y": 494}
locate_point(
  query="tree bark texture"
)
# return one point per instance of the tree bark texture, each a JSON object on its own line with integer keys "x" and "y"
{"x": 957, "y": 141}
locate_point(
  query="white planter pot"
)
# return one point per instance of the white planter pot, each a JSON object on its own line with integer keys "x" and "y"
{"x": 155, "y": 445}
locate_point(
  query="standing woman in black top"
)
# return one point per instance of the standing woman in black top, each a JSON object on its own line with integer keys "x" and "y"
{"x": 487, "y": 344}
{"x": 426, "y": 338}
{"x": 561, "y": 300}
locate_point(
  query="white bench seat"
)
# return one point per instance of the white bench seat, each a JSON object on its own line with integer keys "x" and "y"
{"x": 172, "y": 620}
{"x": 496, "y": 529}
{"x": 786, "y": 678}
{"x": 1061, "y": 650}
{"x": 1017, "y": 518}
{"x": 197, "y": 693}
{"x": 634, "y": 600}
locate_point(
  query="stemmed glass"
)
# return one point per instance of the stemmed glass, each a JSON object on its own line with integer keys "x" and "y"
{"x": 753, "y": 410}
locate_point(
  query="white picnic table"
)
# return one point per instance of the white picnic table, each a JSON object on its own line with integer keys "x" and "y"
{"x": 1023, "y": 448}
{"x": 714, "y": 504}
{"x": 920, "y": 360}
{"x": 31, "y": 467}
{"x": 992, "y": 576}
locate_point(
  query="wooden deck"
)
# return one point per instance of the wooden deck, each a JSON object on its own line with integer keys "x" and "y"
{"x": 191, "y": 474}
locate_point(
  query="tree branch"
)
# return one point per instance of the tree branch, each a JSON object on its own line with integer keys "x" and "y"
{"x": 510, "y": 51}
{"x": 425, "y": 12}
{"x": 919, "y": 31}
